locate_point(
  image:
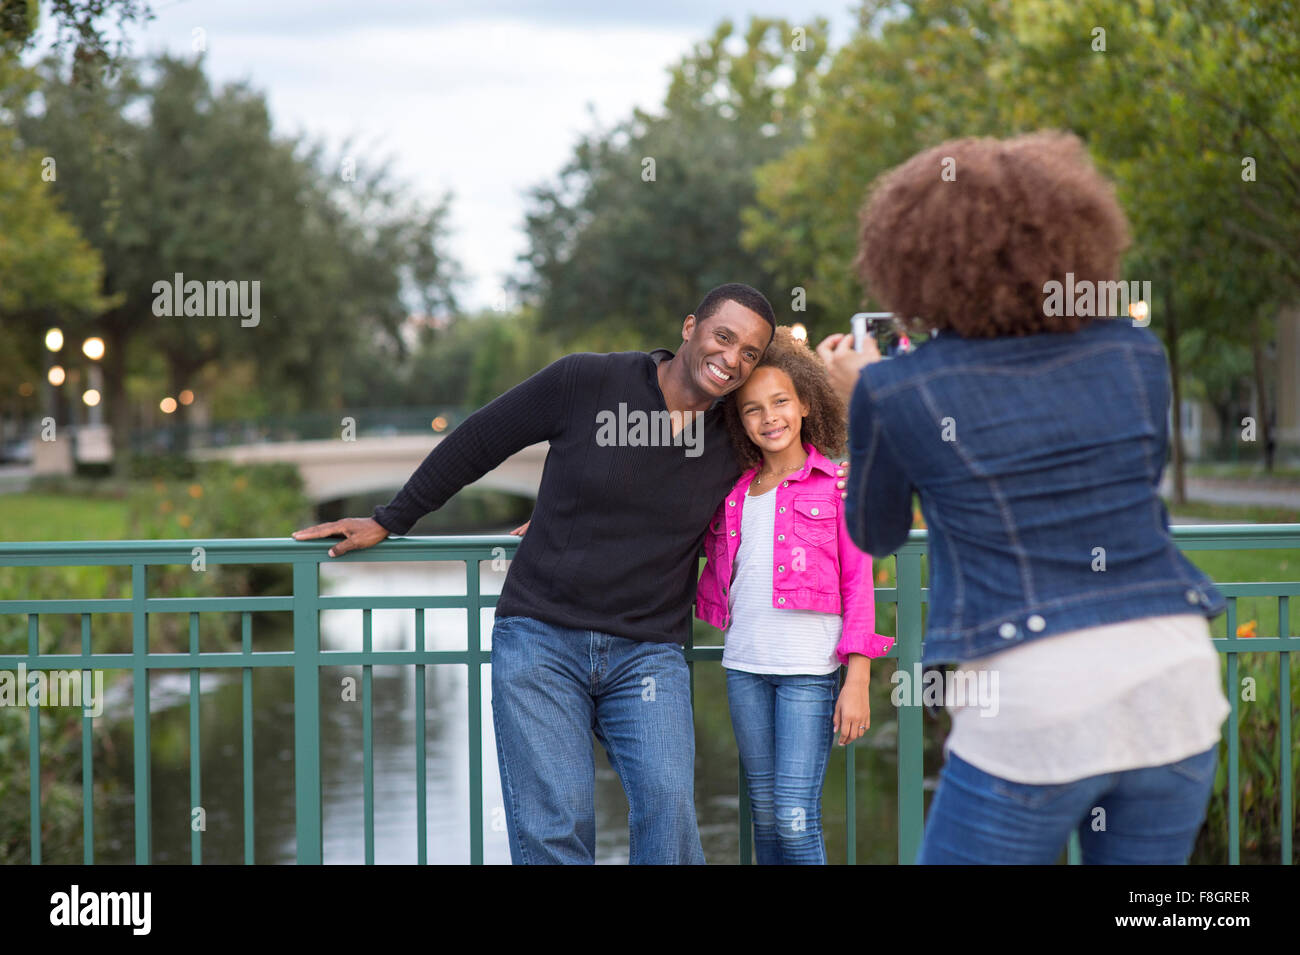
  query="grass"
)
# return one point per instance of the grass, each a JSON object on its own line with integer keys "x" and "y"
{"x": 54, "y": 517}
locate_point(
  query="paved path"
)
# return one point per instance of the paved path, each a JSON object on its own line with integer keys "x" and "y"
{"x": 1227, "y": 491}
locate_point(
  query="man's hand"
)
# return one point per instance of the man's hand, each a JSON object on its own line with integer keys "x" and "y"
{"x": 844, "y": 364}
{"x": 358, "y": 533}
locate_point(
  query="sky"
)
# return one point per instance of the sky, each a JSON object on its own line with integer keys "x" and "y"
{"x": 479, "y": 98}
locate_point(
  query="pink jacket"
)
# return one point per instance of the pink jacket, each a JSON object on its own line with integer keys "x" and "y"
{"x": 815, "y": 564}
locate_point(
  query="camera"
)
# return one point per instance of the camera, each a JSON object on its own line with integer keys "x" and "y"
{"x": 881, "y": 326}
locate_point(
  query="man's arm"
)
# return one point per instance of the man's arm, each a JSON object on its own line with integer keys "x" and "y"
{"x": 530, "y": 412}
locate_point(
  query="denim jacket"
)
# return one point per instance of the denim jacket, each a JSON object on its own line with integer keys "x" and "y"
{"x": 1037, "y": 460}
{"x": 815, "y": 564}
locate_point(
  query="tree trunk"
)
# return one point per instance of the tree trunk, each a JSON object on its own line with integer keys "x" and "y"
{"x": 1176, "y": 380}
{"x": 181, "y": 371}
{"x": 1264, "y": 428}
{"x": 119, "y": 413}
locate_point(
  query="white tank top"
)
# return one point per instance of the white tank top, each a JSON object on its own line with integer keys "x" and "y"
{"x": 1098, "y": 700}
{"x": 763, "y": 638}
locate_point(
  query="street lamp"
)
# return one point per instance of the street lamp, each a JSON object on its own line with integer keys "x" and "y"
{"x": 54, "y": 339}
{"x": 93, "y": 348}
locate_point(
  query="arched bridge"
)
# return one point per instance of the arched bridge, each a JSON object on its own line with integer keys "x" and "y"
{"x": 333, "y": 468}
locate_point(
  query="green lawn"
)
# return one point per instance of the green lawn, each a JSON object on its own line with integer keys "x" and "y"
{"x": 54, "y": 517}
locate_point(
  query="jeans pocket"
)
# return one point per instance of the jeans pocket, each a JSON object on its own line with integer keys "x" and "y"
{"x": 1198, "y": 768}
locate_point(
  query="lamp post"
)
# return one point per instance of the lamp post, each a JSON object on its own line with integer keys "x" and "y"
{"x": 52, "y": 449}
{"x": 93, "y": 348}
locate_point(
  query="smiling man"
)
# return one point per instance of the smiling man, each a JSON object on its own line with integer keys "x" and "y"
{"x": 597, "y": 601}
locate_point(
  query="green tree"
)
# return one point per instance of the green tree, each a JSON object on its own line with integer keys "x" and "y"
{"x": 169, "y": 176}
{"x": 646, "y": 216}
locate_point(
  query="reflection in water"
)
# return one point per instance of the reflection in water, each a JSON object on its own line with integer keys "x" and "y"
{"x": 394, "y": 734}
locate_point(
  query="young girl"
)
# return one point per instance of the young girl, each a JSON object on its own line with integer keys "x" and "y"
{"x": 799, "y": 604}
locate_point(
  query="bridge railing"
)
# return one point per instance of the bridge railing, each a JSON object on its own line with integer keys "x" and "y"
{"x": 306, "y": 658}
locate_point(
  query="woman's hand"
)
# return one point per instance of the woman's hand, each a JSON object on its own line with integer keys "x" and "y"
{"x": 522, "y": 529}
{"x": 853, "y": 708}
{"x": 844, "y": 364}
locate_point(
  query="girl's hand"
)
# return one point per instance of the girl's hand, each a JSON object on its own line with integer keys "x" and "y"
{"x": 852, "y": 709}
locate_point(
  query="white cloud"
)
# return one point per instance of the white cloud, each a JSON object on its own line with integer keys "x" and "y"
{"x": 484, "y": 109}
{"x": 483, "y": 98}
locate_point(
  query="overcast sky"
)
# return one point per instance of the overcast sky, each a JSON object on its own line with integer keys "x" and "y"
{"x": 482, "y": 98}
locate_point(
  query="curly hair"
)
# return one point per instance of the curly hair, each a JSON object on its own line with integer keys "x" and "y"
{"x": 825, "y": 427}
{"x": 972, "y": 255}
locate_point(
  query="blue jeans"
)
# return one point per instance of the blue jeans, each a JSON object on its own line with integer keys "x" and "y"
{"x": 1147, "y": 816}
{"x": 552, "y": 687}
{"x": 783, "y": 731}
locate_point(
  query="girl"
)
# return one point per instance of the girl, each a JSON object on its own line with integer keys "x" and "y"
{"x": 800, "y": 601}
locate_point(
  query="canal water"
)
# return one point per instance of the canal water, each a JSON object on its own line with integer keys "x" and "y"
{"x": 447, "y": 751}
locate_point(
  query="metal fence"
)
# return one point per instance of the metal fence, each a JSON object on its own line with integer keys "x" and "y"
{"x": 306, "y": 658}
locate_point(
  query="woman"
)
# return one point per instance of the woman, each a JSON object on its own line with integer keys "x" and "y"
{"x": 1035, "y": 437}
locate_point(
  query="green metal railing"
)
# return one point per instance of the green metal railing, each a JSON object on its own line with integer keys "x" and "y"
{"x": 306, "y": 658}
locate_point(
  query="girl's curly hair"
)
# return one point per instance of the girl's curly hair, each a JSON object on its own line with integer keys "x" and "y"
{"x": 974, "y": 253}
{"x": 825, "y": 428}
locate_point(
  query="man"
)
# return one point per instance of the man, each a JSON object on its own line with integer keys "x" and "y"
{"x": 595, "y": 607}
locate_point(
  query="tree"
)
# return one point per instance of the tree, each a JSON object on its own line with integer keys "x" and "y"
{"x": 1160, "y": 96}
{"x": 645, "y": 218}
{"x": 169, "y": 177}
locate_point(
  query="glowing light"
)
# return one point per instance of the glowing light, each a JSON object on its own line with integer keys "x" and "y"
{"x": 1139, "y": 310}
{"x": 168, "y": 405}
{"x": 91, "y": 398}
{"x": 187, "y": 397}
{"x": 440, "y": 423}
{"x": 798, "y": 332}
{"x": 57, "y": 375}
{"x": 54, "y": 339}
{"x": 93, "y": 348}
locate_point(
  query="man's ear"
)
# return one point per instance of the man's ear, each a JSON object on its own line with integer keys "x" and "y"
{"x": 688, "y": 327}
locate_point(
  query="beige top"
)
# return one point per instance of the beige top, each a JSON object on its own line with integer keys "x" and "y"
{"x": 1098, "y": 700}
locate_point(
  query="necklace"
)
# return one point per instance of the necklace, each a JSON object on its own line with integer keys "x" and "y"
{"x": 759, "y": 480}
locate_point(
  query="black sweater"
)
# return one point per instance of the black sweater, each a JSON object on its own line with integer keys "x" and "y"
{"x": 614, "y": 539}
